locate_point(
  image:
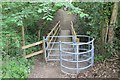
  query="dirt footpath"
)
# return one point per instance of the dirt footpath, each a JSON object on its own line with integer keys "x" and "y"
{"x": 46, "y": 70}
{"x": 52, "y": 69}
{"x": 106, "y": 69}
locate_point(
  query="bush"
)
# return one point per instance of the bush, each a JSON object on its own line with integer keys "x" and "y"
{"x": 15, "y": 67}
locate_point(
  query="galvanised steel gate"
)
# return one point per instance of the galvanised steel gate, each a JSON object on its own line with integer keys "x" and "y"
{"x": 74, "y": 57}
{"x": 52, "y": 48}
{"x": 80, "y": 58}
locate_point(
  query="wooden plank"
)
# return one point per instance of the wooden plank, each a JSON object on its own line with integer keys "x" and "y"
{"x": 53, "y": 35}
{"x": 31, "y": 45}
{"x": 73, "y": 30}
{"x": 53, "y": 29}
{"x": 53, "y": 44}
{"x": 77, "y": 39}
{"x": 54, "y": 39}
{"x": 33, "y": 54}
{"x": 49, "y": 34}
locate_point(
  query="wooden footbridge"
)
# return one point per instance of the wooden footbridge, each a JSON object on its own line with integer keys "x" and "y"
{"x": 75, "y": 52}
{"x": 54, "y": 32}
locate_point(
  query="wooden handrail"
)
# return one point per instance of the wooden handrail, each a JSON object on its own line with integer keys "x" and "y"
{"x": 54, "y": 35}
{"x": 31, "y": 45}
{"x": 53, "y": 41}
{"x": 33, "y": 54}
{"x": 53, "y": 29}
{"x": 72, "y": 29}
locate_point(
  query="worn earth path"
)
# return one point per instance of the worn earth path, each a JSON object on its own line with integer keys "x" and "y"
{"x": 51, "y": 69}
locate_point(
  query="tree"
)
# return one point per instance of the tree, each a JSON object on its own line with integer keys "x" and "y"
{"x": 112, "y": 23}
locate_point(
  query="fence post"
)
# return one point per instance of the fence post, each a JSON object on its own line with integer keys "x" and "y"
{"x": 23, "y": 40}
{"x": 89, "y": 46}
{"x": 60, "y": 49}
{"x": 92, "y": 60}
{"x": 44, "y": 48}
{"x": 77, "y": 57}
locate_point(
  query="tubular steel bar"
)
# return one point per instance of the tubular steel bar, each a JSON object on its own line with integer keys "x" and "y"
{"x": 72, "y": 53}
{"x": 60, "y": 53}
{"x": 49, "y": 49}
{"x": 44, "y": 45}
{"x": 81, "y": 63}
{"x": 74, "y": 56}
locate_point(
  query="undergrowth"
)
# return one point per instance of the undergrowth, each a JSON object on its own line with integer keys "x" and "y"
{"x": 16, "y": 67}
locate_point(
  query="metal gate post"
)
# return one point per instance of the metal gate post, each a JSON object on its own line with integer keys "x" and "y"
{"x": 74, "y": 48}
{"x": 44, "y": 41}
{"x": 60, "y": 48}
{"x": 92, "y": 60}
{"x": 77, "y": 57}
{"x": 89, "y": 54}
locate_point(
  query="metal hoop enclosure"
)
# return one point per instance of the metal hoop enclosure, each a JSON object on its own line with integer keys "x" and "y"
{"x": 74, "y": 56}
{"x": 80, "y": 58}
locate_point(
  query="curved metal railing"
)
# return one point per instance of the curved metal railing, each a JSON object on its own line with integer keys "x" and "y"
{"x": 79, "y": 58}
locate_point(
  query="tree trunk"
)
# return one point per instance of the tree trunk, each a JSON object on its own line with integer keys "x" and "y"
{"x": 106, "y": 33}
{"x": 103, "y": 32}
{"x": 23, "y": 39}
{"x": 38, "y": 34}
{"x": 112, "y": 23}
{"x": 23, "y": 36}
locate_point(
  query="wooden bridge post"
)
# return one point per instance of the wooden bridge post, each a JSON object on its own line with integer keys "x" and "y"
{"x": 53, "y": 32}
{"x": 23, "y": 40}
{"x": 77, "y": 40}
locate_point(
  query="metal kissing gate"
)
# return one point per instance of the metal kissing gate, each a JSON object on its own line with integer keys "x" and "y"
{"x": 74, "y": 56}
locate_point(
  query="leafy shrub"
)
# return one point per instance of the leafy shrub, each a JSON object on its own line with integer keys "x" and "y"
{"x": 14, "y": 16}
{"x": 15, "y": 67}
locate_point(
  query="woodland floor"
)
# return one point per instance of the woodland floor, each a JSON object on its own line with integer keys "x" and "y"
{"x": 107, "y": 69}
